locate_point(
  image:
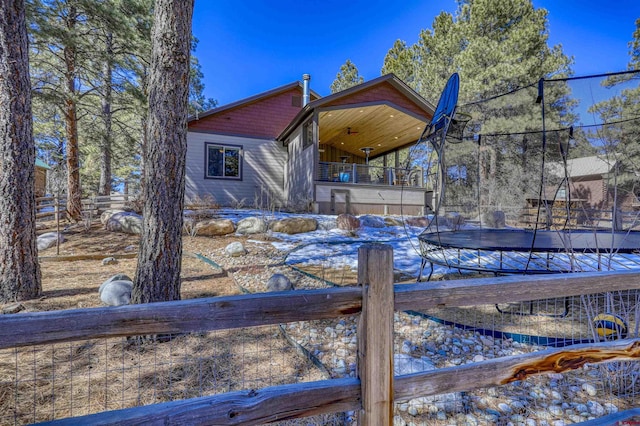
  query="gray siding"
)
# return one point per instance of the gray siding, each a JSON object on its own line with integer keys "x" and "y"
{"x": 262, "y": 182}
{"x": 300, "y": 168}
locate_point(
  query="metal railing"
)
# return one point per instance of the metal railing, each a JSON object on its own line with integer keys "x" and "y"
{"x": 369, "y": 175}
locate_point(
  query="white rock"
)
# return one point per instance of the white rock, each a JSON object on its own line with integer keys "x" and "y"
{"x": 251, "y": 225}
{"x": 116, "y": 292}
{"x": 48, "y": 239}
{"x": 235, "y": 249}
{"x": 596, "y": 408}
{"x": 404, "y": 364}
{"x": 589, "y": 389}
{"x": 503, "y": 407}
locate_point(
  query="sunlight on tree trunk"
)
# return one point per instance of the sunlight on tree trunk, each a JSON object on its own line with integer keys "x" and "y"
{"x": 159, "y": 258}
{"x": 19, "y": 268}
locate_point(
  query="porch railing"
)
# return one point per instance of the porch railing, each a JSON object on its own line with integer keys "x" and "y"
{"x": 364, "y": 174}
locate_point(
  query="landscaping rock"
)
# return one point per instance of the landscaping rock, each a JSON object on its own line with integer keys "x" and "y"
{"x": 419, "y": 221}
{"x": 279, "y": 282}
{"x": 49, "y": 240}
{"x": 404, "y": 364}
{"x": 347, "y": 222}
{"x": 127, "y": 222}
{"x": 109, "y": 261}
{"x": 213, "y": 227}
{"x": 494, "y": 219}
{"x": 372, "y": 221}
{"x": 235, "y": 249}
{"x": 13, "y": 308}
{"x": 116, "y": 291}
{"x": 294, "y": 225}
{"x": 392, "y": 221}
{"x": 251, "y": 225}
{"x": 106, "y": 215}
{"x": 455, "y": 219}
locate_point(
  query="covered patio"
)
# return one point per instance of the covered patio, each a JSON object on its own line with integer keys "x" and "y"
{"x": 349, "y": 150}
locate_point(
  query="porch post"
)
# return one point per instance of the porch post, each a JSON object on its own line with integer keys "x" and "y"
{"x": 354, "y": 173}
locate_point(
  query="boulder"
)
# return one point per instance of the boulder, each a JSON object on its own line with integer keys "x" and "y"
{"x": 372, "y": 221}
{"x": 404, "y": 364}
{"x": 279, "y": 282}
{"x": 127, "y": 222}
{"x": 235, "y": 249}
{"x": 13, "y": 308}
{"x": 455, "y": 219}
{"x": 494, "y": 219}
{"x": 49, "y": 239}
{"x": 251, "y": 225}
{"x": 116, "y": 290}
{"x": 419, "y": 221}
{"x": 347, "y": 222}
{"x": 294, "y": 225}
{"x": 106, "y": 215}
{"x": 392, "y": 221}
{"x": 213, "y": 227}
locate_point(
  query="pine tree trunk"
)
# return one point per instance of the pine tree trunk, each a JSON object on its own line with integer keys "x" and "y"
{"x": 159, "y": 258}
{"x": 74, "y": 193}
{"x": 105, "y": 149}
{"x": 19, "y": 268}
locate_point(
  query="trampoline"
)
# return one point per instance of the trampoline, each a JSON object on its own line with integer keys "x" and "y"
{"x": 523, "y": 251}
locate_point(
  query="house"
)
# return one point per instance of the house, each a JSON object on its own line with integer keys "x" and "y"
{"x": 289, "y": 147}
{"x": 41, "y": 177}
{"x": 590, "y": 181}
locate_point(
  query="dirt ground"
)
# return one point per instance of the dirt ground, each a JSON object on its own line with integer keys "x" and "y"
{"x": 69, "y": 284}
{"x": 54, "y": 381}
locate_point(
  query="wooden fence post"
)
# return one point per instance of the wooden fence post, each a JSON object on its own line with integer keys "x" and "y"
{"x": 375, "y": 334}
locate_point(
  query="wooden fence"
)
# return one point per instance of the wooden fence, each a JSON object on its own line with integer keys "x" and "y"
{"x": 55, "y": 207}
{"x": 372, "y": 393}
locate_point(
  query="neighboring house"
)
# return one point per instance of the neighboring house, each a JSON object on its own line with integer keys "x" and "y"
{"x": 590, "y": 181}
{"x": 340, "y": 153}
{"x": 41, "y": 177}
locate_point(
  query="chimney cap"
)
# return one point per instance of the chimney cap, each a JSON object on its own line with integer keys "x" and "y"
{"x": 306, "y": 76}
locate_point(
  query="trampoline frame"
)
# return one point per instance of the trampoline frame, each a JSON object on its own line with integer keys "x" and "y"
{"x": 540, "y": 252}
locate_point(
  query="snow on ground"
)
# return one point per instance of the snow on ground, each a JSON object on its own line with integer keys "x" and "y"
{"x": 332, "y": 247}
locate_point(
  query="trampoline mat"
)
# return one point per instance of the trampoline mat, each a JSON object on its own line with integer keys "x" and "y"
{"x": 536, "y": 241}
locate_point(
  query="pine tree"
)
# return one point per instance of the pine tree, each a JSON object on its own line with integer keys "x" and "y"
{"x": 496, "y": 46}
{"x": 399, "y": 61}
{"x": 160, "y": 254}
{"x": 19, "y": 268}
{"x": 347, "y": 77}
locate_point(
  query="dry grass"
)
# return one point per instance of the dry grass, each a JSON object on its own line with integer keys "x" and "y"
{"x": 55, "y": 381}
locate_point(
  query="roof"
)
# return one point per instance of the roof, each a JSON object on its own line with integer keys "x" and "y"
{"x": 585, "y": 166}
{"x": 42, "y": 164}
{"x": 319, "y": 103}
{"x": 251, "y": 99}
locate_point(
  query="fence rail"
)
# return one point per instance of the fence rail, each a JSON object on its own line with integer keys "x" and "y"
{"x": 376, "y": 300}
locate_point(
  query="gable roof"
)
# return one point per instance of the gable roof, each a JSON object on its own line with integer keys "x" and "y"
{"x": 335, "y": 98}
{"x": 584, "y": 166}
{"x": 251, "y": 99}
{"x": 42, "y": 164}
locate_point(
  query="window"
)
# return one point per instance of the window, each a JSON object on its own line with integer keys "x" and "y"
{"x": 223, "y": 161}
{"x": 307, "y": 134}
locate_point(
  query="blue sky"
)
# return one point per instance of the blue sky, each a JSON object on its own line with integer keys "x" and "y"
{"x": 250, "y": 46}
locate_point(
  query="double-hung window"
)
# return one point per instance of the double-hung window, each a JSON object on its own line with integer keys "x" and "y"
{"x": 223, "y": 161}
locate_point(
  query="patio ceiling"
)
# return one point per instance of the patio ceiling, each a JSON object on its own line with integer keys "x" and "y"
{"x": 382, "y": 127}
